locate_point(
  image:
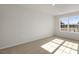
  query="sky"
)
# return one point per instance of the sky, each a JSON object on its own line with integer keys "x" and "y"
{"x": 71, "y": 19}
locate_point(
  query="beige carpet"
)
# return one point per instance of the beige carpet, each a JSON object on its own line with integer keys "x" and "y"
{"x": 51, "y": 45}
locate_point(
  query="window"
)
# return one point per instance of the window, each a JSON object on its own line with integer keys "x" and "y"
{"x": 70, "y": 23}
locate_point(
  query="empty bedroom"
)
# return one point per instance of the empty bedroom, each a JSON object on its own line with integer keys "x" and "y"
{"x": 39, "y": 29}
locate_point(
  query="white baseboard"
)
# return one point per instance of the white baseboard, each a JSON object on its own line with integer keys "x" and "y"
{"x": 30, "y": 40}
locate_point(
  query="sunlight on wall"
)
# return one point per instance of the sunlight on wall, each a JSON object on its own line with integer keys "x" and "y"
{"x": 63, "y": 47}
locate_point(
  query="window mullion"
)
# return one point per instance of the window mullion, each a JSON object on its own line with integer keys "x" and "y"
{"x": 68, "y": 24}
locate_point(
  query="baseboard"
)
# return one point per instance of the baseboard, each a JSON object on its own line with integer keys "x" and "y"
{"x": 33, "y": 39}
{"x": 65, "y": 37}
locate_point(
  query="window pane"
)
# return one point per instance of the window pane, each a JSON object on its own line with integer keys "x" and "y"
{"x": 64, "y": 20}
{"x": 73, "y": 19}
{"x": 73, "y": 23}
{"x": 64, "y": 23}
{"x": 64, "y": 26}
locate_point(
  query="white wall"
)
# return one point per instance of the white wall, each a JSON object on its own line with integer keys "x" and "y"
{"x": 21, "y": 24}
{"x": 71, "y": 35}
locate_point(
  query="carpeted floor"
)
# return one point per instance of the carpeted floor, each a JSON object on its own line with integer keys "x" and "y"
{"x": 51, "y": 45}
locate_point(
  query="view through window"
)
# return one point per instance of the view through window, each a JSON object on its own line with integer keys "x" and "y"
{"x": 69, "y": 23}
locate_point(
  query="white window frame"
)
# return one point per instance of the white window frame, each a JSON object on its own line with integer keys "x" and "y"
{"x": 67, "y": 27}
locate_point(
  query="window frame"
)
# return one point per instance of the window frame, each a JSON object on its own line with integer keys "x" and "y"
{"x": 68, "y": 26}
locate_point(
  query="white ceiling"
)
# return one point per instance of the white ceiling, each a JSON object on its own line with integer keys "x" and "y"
{"x": 67, "y": 8}
{"x": 58, "y": 9}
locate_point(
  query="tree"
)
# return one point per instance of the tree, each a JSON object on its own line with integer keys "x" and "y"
{"x": 62, "y": 23}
